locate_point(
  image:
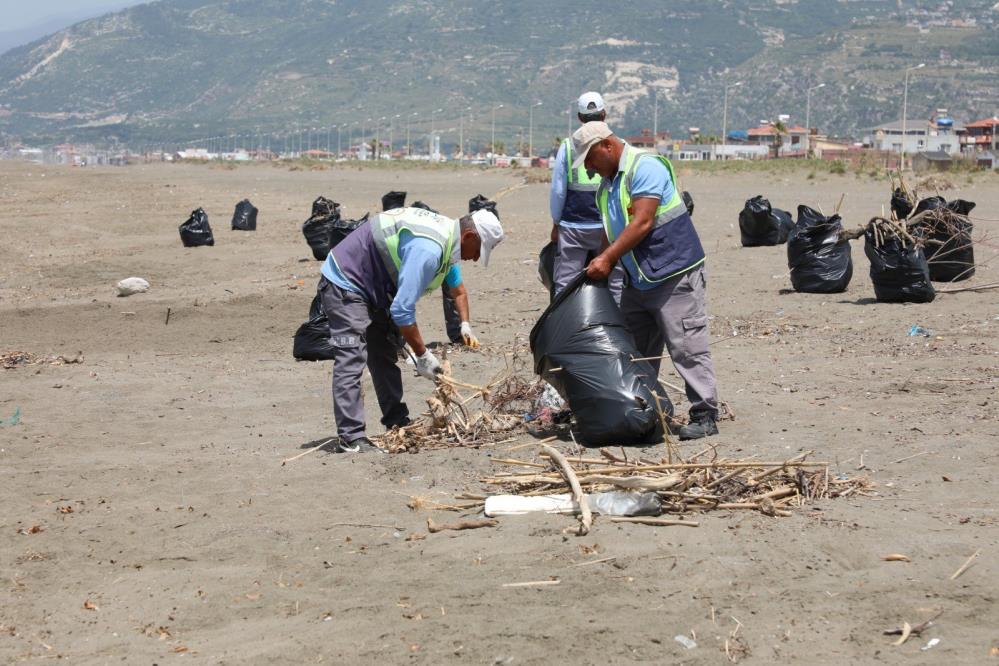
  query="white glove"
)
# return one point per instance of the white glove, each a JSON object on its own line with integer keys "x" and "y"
{"x": 468, "y": 336}
{"x": 428, "y": 366}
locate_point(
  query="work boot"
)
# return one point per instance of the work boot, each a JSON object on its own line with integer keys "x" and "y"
{"x": 359, "y": 445}
{"x": 702, "y": 424}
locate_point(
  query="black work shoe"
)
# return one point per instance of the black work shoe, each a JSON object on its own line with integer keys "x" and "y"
{"x": 701, "y": 425}
{"x": 359, "y": 445}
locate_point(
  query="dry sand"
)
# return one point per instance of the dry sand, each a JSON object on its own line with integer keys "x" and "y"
{"x": 193, "y": 543}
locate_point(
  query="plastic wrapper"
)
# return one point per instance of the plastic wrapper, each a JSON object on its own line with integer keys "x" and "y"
{"x": 546, "y": 267}
{"x": 819, "y": 260}
{"x": 196, "y": 231}
{"x": 898, "y": 270}
{"x": 761, "y": 224}
{"x": 244, "y": 218}
{"x": 583, "y": 335}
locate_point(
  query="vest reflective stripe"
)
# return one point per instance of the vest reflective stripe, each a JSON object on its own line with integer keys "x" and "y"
{"x": 385, "y": 230}
{"x": 673, "y": 209}
{"x": 578, "y": 179}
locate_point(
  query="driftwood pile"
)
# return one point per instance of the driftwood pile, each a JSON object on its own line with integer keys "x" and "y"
{"x": 686, "y": 487}
{"x": 462, "y": 414}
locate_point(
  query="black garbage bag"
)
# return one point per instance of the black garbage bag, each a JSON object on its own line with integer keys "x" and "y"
{"x": 946, "y": 236}
{"x": 312, "y": 339}
{"x": 196, "y": 231}
{"x": 688, "y": 201}
{"x": 546, "y": 267}
{"x": 393, "y": 199}
{"x": 898, "y": 270}
{"x": 901, "y": 205}
{"x": 325, "y": 213}
{"x": 820, "y": 262}
{"x": 342, "y": 228}
{"x": 420, "y": 204}
{"x": 761, "y": 224}
{"x": 583, "y": 333}
{"x": 245, "y": 216}
{"x": 480, "y": 202}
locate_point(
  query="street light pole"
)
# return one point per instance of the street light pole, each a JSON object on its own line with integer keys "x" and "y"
{"x": 430, "y": 146}
{"x": 492, "y": 140}
{"x": 530, "y": 132}
{"x": 724, "y": 137}
{"x": 808, "y": 118}
{"x": 905, "y": 104}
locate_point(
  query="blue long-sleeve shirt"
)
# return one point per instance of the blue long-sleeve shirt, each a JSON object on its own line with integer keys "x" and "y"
{"x": 420, "y": 258}
{"x": 557, "y": 194}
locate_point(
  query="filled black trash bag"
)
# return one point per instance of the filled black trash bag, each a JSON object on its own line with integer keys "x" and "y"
{"x": 245, "y": 216}
{"x": 688, "y": 201}
{"x": 820, "y": 262}
{"x": 312, "y": 339}
{"x": 761, "y": 224}
{"x": 342, "y": 228}
{"x": 898, "y": 270}
{"x": 420, "y": 204}
{"x": 480, "y": 202}
{"x": 316, "y": 229}
{"x": 583, "y": 333}
{"x": 947, "y": 238}
{"x": 196, "y": 231}
{"x": 546, "y": 267}
{"x": 393, "y": 199}
{"x": 901, "y": 205}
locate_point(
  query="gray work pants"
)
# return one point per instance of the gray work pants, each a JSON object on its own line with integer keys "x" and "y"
{"x": 674, "y": 315}
{"x": 359, "y": 337}
{"x": 575, "y": 246}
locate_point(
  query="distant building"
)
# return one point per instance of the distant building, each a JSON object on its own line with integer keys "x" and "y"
{"x": 935, "y": 160}
{"x": 645, "y": 139}
{"x": 981, "y": 135}
{"x": 939, "y": 134}
{"x": 789, "y": 143}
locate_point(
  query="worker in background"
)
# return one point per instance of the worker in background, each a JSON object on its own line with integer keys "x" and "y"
{"x": 386, "y": 264}
{"x": 577, "y": 229}
{"x": 651, "y": 234}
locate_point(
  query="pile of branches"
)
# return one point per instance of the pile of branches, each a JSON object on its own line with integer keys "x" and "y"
{"x": 462, "y": 414}
{"x": 685, "y": 487}
{"x": 12, "y": 359}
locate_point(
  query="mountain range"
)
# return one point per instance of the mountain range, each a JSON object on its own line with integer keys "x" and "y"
{"x": 175, "y": 71}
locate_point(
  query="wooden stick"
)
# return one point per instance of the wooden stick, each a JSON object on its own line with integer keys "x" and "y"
{"x": 388, "y": 527}
{"x": 533, "y": 583}
{"x": 773, "y": 470}
{"x": 577, "y": 492}
{"x": 967, "y": 563}
{"x": 525, "y": 445}
{"x": 305, "y": 453}
{"x": 915, "y": 455}
{"x": 510, "y": 461}
{"x": 470, "y": 524}
{"x": 980, "y": 287}
{"x": 454, "y": 382}
{"x": 662, "y": 522}
{"x": 714, "y": 465}
{"x": 600, "y": 561}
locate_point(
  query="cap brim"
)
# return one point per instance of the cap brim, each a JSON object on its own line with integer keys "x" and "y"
{"x": 484, "y": 255}
{"x": 581, "y": 157}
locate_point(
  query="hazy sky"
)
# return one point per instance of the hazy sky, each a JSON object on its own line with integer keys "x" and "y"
{"x": 16, "y": 14}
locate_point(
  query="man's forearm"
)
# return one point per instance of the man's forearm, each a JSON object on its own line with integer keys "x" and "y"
{"x": 411, "y": 334}
{"x": 460, "y": 294}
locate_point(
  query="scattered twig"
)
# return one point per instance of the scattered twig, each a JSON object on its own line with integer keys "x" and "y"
{"x": 586, "y": 520}
{"x": 660, "y": 522}
{"x": 967, "y": 564}
{"x": 469, "y": 524}
{"x": 305, "y": 453}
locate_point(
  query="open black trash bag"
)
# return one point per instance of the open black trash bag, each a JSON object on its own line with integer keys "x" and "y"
{"x": 583, "y": 333}
{"x": 196, "y": 231}
{"x": 946, "y": 236}
{"x": 901, "y": 206}
{"x": 479, "y": 202}
{"x": 245, "y": 216}
{"x": 819, "y": 260}
{"x": 393, "y": 199}
{"x": 761, "y": 224}
{"x": 312, "y": 339}
{"x": 342, "y": 228}
{"x": 898, "y": 270}
{"x": 316, "y": 229}
{"x": 546, "y": 267}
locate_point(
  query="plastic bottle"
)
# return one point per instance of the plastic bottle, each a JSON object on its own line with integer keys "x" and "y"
{"x": 618, "y": 503}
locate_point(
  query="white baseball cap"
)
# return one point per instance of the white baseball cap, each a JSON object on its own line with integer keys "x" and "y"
{"x": 490, "y": 232}
{"x": 590, "y": 103}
